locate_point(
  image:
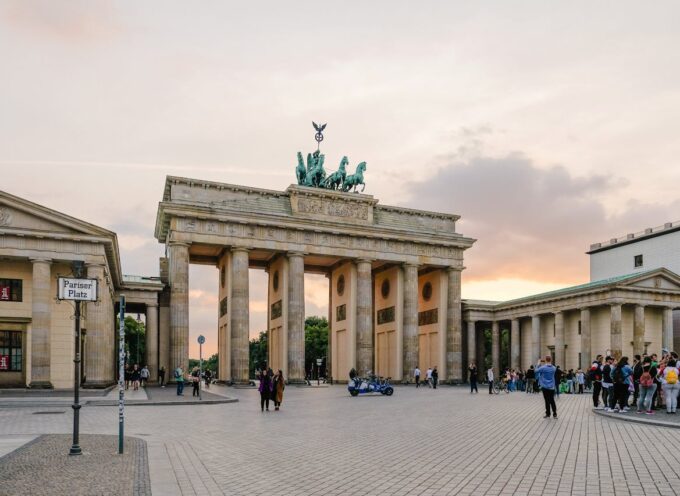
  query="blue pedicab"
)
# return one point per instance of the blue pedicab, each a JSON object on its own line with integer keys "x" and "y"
{"x": 372, "y": 384}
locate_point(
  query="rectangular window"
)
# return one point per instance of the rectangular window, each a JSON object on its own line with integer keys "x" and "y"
{"x": 579, "y": 327}
{"x": 579, "y": 361}
{"x": 554, "y": 326}
{"x": 637, "y": 259}
{"x": 10, "y": 290}
{"x": 11, "y": 351}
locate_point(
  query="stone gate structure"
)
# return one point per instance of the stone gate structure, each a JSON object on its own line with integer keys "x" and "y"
{"x": 395, "y": 276}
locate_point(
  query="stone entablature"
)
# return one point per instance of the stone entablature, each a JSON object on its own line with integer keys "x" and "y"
{"x": 308, "y": 220}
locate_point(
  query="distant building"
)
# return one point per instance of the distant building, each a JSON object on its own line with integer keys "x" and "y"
{"x": 653, "y": 248}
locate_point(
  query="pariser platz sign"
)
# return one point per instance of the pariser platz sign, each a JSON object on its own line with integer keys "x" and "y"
{"x": 74, "y": 289}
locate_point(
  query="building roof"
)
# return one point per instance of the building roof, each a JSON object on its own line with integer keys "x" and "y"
{"x": 650, "y": 232}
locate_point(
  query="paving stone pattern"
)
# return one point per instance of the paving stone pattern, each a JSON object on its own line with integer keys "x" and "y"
{"x": 417, "y": 442}
{"x": 44, "y": 467}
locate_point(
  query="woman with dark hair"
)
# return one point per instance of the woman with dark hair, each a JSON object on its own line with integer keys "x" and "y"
{"x": 622, "y": 376}
{"x": 265, "y": 389}
{"x": 279, "y": 386}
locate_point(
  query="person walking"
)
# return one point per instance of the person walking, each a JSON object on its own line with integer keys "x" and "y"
{"x": 545, "y": 373}
{"x": 265, "y": 389}
{"x": 558, "y": 381}
{"x": 472, "y": 374}
{"x": 135, "y": 376}
{"x": 637, "y": 372}
{"x": 607, "y": 385}
{"x": 161, "y": 376}
{"x": 195, "y": 381}
{"x": 595, "y": 374}
{"x": 489, "y": 378}
{"x": 179, "y": 378}
{"x": 647, "y": 387}
{"x": 621, "y": 377}
{"x": 531, "y": 379}
{"x": 416, "y": 375}
{"x": 207, "y": 375}
{"x": 580, "y": 380}
{"x": 435, "y": 377}
{"x": 144, "y": 375}
{"x": 671, "y": 385}
{"x": 428, "y": 377}
{"x": 279, "y": 386}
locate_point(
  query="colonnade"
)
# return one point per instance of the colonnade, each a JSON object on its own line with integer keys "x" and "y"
{"x": 611, "y": 341}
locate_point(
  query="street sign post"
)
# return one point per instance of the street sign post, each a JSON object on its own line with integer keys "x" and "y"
{"x": 201, "y": 340}
{"x": 121, "y": 374}
{"x": 77, "y": 289}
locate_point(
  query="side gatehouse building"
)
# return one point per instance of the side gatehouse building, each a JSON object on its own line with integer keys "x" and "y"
{"x": 394, "y": 289}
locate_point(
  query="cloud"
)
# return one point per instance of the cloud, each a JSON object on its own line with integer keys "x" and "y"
{"x": 532, "y": 223}
{"x": 73, "y": 21}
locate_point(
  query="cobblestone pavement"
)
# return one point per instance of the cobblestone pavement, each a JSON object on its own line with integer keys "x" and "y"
{"x": 417, "y": 442}
{"x": 44, "y": 467}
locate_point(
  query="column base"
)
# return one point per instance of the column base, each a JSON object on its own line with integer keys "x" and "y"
{"x": 41, "y": 385}
{"x": 98, "y": 384}
{"x": 296, "y": 381}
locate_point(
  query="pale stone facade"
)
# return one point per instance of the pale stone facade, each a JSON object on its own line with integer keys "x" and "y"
{"x": 37, "y": 245}
{"x": 620, "y": 316}
{"x": 350, "y": 238}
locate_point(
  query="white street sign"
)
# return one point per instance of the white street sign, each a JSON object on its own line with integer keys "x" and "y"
{"x": 71, "y": 288}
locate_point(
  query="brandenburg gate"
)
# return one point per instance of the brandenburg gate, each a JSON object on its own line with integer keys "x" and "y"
{"x": 395, "y": 276}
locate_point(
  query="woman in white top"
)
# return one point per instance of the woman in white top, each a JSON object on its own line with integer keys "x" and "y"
{"x": 670, "y": 384}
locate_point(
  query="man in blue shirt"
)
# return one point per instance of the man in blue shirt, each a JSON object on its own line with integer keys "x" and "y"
{"x": 545, "y": 375}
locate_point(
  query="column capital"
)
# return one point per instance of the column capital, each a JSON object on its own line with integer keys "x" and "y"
{"x": 363, "y": 260}
{"x": 179, "y": 243}
{"x": 41, "y": 260}
{"x": 152, "y": 305}
{"x": 410, "y": 264}
{"x": 236, "y": 249}
{"x": 641, "y": 305}
{"x": 295, "y": 254}
{"x": 452, "y": 268}
{"x": 558, "y": 312}
{"x": 616, "y": 302}
{"x": 583, "y": 308}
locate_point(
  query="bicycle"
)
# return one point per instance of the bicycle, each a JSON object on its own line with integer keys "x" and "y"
{"x": 500, "y": 385}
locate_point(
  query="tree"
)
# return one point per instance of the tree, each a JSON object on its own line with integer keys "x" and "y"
{"x": 258, "y": 350}
{"x": 208, "y": 364}
{"x": 135, "y": 340}
{"x": 316, "y": 342}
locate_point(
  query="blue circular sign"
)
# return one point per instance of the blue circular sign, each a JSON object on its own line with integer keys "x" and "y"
{"x": 201, "y": 339}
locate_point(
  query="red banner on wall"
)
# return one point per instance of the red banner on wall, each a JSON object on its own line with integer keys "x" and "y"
{"x": 4, "y": 362}
{"x": 4, "y": 293}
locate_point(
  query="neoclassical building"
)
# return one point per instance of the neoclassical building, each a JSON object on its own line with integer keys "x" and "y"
{"x": 394, "y": 290}
{"x": 37, "y": 342}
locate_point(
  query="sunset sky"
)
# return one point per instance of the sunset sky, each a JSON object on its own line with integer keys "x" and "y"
{"x": 547, "y": 126}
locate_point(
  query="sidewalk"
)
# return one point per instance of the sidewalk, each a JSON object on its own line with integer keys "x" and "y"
{"x": 659, "y": 418}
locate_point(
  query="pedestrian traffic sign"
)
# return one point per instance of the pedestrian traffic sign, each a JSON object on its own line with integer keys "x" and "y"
{"x": 201, "y": 339}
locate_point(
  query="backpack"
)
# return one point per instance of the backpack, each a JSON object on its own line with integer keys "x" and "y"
{"x": 671, "y": 376}
{"x": 646, "y": 379}
{"x": 618, "y": 375}
{"x": 178, "y": 374}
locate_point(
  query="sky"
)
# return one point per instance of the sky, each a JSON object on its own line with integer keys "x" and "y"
{"x": 547, "y": 126}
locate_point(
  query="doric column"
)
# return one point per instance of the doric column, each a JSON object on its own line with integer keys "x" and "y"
{"x": 329, "y": 352}
{"x": 100, "y": 336}
{"x": 410, "y": 327}
{"x": 535, "y": 338}
{"x": 178, "y": 254}
{"x": 240, "y": 315}
{"x": 454, "y": 331}
{"x": 514, "y": 344}
{"x": 364, "y": 299}
{"x": 496, "y": 347}
{"x": 472, "y": 343}
{"x": 667, "y": 328}
{"x": 559, "y": 341}
{"x": 639, "y": 330}
{"x": 586, "y": 352}
{"x": 152, "y": 340}
{"x": 40, "y": 324}
{"x": 615, "y": 330}
{"x": 296, "y": 317}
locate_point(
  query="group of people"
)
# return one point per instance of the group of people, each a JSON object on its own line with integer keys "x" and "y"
{"x": 573, "y": 382}
{"x": 271, "y": 388}
{"x": 431, "y": 377}
{"x": 195, "y": 376}
{"x": 652, "y": 383}
{"x": 135, "y": 377}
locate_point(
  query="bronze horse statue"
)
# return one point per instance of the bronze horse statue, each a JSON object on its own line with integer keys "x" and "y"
{"x": 354, "y": 180}
{"x": 335, "y": 180}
